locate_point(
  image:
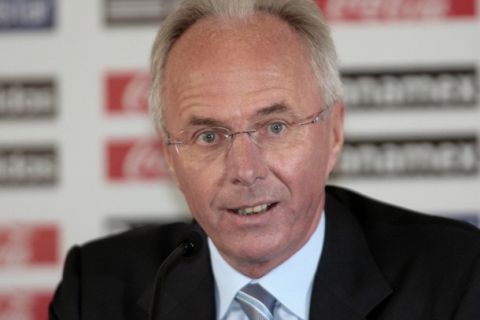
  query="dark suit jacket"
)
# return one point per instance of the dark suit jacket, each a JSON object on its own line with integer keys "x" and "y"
{"x": 378, "y": 262}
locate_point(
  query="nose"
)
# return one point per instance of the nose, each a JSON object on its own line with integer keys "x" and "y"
{"x": 245, "y": 163}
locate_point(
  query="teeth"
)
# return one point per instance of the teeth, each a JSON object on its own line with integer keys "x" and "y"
{"x": 253, "y": 210}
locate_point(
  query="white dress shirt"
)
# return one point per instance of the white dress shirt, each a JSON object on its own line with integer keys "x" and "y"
{"x": 290, "y": 283}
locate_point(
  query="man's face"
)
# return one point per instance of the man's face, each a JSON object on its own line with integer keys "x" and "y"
{"x": 236, "y": 75}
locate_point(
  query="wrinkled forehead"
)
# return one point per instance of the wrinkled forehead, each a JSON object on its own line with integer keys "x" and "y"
{"x": 256, "y": 32}
{"x": 239, "y": 53}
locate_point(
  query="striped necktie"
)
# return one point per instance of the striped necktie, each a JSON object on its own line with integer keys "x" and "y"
{"x": 256, "y": 302}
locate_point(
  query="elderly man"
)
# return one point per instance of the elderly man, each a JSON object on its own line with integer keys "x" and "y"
{"x": 247, "y": 99}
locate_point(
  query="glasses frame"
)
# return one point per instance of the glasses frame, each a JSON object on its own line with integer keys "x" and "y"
{"x": 312, "y": 119}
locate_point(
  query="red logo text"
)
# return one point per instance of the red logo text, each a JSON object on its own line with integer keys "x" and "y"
{"x": 127, "y": 92}
{"x": 356, "y": 10}
{"x": 23, "y": 305}
{"x": 136, "y": 160}
{"x": 28, "y": 245}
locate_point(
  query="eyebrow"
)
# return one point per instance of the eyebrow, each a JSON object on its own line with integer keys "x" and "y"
{"x": 207, "y": 122}
{"x": 275, "y": 108}
{"x": 211, "y": 122}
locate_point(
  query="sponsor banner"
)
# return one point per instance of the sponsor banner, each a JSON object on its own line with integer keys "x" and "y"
{"x": 26, "y": 14}
{"x": 118, "y": 12}
{"x": 28, "y": 166}
{"x": 24, "y": 305}
{"x": 29, "y": 245}
{"x": 388, "y": 89}
{"x": 365, "y": 10}
{"x": 28, "y": 99}
{"x": 135, "y": 159}
{"x": 410, "y": 157}
{"x": 127, "y": 92}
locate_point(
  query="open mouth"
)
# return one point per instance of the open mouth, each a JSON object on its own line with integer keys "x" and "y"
{"x": 249, "y": 211}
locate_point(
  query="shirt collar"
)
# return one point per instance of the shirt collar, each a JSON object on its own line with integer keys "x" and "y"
{"x": 290, "y": 283}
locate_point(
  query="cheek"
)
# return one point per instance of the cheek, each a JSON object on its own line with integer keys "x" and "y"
{"x": 197, "y": 184}
{"x": 303, "y": 166}
{"x": 303, "y": 172}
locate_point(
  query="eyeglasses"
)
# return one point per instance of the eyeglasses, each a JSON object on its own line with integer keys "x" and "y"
{"x": 207, "y": 144}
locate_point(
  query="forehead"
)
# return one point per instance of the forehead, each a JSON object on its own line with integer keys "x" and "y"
{"x": 210, "y": 38}
{"x": 236, "y": 64}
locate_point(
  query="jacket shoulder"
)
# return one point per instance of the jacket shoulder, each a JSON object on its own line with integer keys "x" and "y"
{"x": 427, "y": 260}
{"x": 113, "y": 271}
{"x": 149, "y": 244}
{"x": 403, "y": 230}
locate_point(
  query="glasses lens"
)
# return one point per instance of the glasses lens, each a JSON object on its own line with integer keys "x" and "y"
{"x": 208, "y": 144}
{"x": 278, "y": 135}
{"x": 205, "y": 144}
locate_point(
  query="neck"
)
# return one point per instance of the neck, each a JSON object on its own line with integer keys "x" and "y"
{"x": 255, "y": 270}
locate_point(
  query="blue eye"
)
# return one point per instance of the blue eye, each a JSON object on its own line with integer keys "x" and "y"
{"x": 276, "y": 128}
{"x": 207, "y": 137}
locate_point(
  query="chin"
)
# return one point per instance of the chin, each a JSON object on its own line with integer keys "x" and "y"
{"x": 259, "y": 254}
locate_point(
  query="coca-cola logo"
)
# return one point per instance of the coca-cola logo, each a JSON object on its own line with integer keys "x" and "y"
{"x": 24, "y": 305}
{"x": 26, "y": 245}
{"x": 352, "y": 10}
{"x": 136, "y": 160}
{"x": 127, "y": 92}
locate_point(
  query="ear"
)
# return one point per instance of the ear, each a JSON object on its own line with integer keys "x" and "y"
{"x": 336, "y": 119}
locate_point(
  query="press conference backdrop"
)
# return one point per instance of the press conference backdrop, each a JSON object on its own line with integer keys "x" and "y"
{"x": 79, "y": 158}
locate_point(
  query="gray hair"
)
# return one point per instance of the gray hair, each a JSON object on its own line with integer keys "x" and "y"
{"x": 303, "y": 15}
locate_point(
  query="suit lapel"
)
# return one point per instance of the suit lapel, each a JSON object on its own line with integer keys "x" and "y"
{"x": 348, "y": 284}
{"x": 188, "y": 290}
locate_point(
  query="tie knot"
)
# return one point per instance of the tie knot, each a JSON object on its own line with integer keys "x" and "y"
{"x": 256, "y": 302}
